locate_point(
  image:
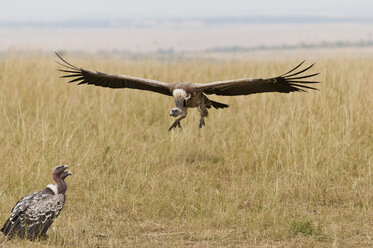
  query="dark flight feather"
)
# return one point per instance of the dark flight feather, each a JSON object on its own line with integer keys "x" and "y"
{"x": 83, "y": 76}
{"x": 193, "y": 94}
{"x": 33, "y": 214}
{"x": 283, "y": 84}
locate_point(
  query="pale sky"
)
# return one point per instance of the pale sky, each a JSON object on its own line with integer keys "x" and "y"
{"x": 49, "y": 10}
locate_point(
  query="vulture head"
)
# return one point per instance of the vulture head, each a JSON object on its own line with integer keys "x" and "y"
{"x": 181, "y": 97}
{"x": 59, "y": 174}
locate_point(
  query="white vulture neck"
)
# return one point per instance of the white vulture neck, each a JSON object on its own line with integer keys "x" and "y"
{"x": 180, "y": 93}
{"x": 53, "y": 188}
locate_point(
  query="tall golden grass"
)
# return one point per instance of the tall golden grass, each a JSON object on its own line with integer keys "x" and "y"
{"x": 273, "y": 170}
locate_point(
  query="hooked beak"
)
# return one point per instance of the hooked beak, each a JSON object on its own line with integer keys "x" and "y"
{"x": 66, "y": 174}
{"x": 65, "y": 167}
{"x": 175, "y": 112}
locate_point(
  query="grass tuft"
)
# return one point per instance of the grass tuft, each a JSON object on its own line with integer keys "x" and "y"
{"x": 306, "y": 228}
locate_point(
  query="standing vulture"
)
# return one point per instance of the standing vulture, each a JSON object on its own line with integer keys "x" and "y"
{"x": 34, "y": 214}
{"x": 193, "y": 95}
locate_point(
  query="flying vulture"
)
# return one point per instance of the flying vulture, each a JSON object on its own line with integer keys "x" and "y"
{"x": 34, "y": 214}
{"x": 194, "y": 95}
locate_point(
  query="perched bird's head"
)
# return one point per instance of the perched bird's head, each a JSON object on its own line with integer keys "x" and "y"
{"x": 59, "y": 174}
{"x": 59, "y": 170}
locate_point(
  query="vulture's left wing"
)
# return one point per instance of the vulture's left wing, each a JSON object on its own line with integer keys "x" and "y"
{"x": 40, "y": 216}
{"x": 288, "y": 82}
{"x": 33, "y": 214}
{"x": 83, "y": 76}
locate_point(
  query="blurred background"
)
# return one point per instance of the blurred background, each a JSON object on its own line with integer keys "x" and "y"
{"x": 184, "y": 28}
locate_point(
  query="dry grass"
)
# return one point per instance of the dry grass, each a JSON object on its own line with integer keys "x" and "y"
{"x": 273, "y": 170}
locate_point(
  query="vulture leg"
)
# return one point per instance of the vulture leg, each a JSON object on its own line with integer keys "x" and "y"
{"x": 204, "y": 113}
{"x": 177, "y": 122}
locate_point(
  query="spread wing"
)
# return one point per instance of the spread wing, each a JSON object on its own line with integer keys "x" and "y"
{"x": 33, "y": 215}
{"x": 83, "y": 76}
{"x": 291, "y": 81}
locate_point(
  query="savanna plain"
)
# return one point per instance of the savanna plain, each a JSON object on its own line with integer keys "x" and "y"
{"x": 272, "y": 170}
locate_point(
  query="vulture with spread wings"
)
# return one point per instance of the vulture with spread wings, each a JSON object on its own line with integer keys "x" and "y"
{"x": 191, "y": 95}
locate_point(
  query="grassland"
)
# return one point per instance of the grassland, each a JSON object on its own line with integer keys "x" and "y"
{"x": 273, "y": 170}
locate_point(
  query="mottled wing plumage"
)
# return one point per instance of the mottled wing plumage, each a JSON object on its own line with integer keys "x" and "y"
{"x": 83, "y": 76}
{"x": 285, "y": 83}
{"x": 33, "y": 214}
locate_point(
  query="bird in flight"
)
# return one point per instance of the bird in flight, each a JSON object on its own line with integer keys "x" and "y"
{"x": 34, "y": 214}
{"x": 194, "y": 95}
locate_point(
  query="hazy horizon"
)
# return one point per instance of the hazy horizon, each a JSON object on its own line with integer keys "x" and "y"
{"x": 45, "y": 10}
{"x": 169, "y": 26}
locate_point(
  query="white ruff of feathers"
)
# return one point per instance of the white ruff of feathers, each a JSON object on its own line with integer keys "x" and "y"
{"x": 179, "y": 93}
{"x": 53, "y": 188}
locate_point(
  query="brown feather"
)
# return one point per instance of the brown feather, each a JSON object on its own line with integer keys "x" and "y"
{"x": 83, "y": 76}
{"x": 283, "y": 84}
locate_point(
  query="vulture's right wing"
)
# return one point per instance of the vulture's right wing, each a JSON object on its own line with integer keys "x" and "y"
{"x": 291, "y": 81}
{"x": 83, "y": 76}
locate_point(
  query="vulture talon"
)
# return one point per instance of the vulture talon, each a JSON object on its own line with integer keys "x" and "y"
{"x": 174, "y": 125}
{"x": 202, "y": 123}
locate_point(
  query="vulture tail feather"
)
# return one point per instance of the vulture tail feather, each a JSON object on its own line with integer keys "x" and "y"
{"x": 217, "y": 105}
